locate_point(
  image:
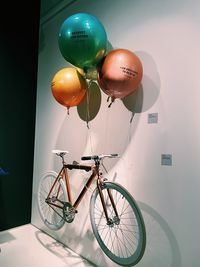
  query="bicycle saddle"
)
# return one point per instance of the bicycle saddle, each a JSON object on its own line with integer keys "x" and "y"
{"x": 60, "y": 152}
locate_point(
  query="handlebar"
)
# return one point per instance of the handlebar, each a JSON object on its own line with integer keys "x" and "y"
{"x": 99, "y": 157}
{"x": 96, "y": 158}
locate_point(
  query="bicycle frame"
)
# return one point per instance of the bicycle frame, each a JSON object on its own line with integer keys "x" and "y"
{"x": 63, "y": 174}
{"x": 115, "y": 217}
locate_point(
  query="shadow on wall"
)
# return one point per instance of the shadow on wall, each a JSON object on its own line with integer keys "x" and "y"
{"x": 111, "y": 129}
{"x": 139, "y": 101}
{"x": 147, "y": 94}
{"x": 62, "y": 251}
{"x": 90, "y": 248}
{"x": 85, "y": 240}
{"x": 162, "y": 248}
{"x": 109, "y": 46}
{"x": 89, "y": 108}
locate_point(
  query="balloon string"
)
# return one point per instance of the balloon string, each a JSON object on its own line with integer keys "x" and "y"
{"x": 132, "y": 116}
{"x": 88, "y": 116}
{"x": 87, "y": 111}
{"x": 105, "y": 140}
{"x": 88, "y": 103}
{"x": 67, "y": 110}
{"x": 129, "y": 132}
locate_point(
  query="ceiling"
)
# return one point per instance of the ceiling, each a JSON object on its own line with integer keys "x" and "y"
{"x": 47, "y": 5}
{"x": 49, "y": 8}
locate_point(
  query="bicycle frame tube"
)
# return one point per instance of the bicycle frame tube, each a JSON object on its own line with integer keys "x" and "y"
{"x": 60, "y": 174}
{"x": 84, "y": 190}
{"x": 65, "y": 174}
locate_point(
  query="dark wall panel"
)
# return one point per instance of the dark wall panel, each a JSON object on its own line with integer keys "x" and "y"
{"x": 18, "y": 83}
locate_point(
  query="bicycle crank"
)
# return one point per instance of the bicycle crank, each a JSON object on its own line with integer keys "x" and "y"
{"x": 69, "y": 212}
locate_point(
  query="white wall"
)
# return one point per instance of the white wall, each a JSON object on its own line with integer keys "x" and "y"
{"x": 165, "y": 35}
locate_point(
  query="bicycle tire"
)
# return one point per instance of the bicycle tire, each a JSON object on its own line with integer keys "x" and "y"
{"x": 124, "y": 243}
{"x": 52, "y": 217}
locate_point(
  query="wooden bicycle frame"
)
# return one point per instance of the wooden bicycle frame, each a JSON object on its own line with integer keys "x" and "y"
{"x": 63, "y": 174}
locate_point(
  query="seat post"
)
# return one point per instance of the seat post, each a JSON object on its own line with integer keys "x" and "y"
{"x": 62, "y": 157}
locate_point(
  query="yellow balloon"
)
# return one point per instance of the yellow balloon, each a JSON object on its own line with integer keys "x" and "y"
{"x": 69, "y": 87}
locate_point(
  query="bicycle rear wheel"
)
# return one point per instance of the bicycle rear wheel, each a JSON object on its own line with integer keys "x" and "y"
{"x": 52, "y": 216}
{"x": 124, "y": 239}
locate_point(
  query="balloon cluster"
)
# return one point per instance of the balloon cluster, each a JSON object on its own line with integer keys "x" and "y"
{"x": 83, "y": 43}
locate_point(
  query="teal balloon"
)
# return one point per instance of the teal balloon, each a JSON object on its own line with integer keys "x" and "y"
{"x": 82, "y": 40}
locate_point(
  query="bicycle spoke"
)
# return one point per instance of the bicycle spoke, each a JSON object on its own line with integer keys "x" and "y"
{"x": 124, "y": 245}
{"x": 51, "y": 215}
{"x": 132, "y": 231}
{"x": 128, "y": 238}
{"x": 121, "y": 237}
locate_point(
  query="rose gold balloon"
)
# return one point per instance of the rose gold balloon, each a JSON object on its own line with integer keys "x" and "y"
{"x": 120, "y": 73}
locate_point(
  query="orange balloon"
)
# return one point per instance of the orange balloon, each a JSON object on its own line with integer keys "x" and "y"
{"x": 69, "y": 87}
{"x": 120, "y": 74}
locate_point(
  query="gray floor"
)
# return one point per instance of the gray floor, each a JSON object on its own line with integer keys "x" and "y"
{"x": 27, "y": 246}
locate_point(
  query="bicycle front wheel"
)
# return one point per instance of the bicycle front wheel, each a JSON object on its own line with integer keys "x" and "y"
{"x": 51, "y": 215}
{"x": 123, "y": 239}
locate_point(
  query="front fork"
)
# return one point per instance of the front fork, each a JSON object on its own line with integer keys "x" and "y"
{"x": 110, "y": 221}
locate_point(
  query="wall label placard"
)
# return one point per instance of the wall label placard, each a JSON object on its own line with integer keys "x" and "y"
{"x": 153, "y": 118}
{"x": 166, "y": 159}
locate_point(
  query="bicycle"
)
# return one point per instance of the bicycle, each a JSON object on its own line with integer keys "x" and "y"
{"x": 116, "y": 219}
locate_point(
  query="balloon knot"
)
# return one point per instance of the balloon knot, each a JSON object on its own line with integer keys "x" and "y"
{"x": 112, "y": 100}
{"x": 110, "y": 104}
